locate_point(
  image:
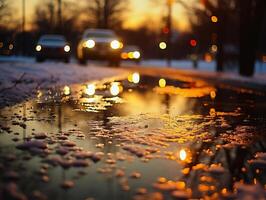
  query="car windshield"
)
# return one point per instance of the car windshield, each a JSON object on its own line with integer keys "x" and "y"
{"x": 99, "y": 35}
{"x": 52, "y": 39}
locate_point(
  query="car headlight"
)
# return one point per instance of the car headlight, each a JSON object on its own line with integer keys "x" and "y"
{"x": 89, "y": 44}
{"x": 67, "y": 48}
{"x": 116, "y": 44}
{"x": 136, "y": 54}
{"x": 38, "y": 47}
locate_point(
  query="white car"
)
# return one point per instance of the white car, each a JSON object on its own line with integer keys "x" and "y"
{"x": 100, "y": 44}
{"x": 52, "y": 47}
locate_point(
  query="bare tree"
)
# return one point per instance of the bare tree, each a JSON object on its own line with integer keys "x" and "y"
{"x": 239, "y": 24}
{"x": 215, "y": 22}
{"x": 47, "y": 19}
{"x": 4, "y": 12}
{"x": 252, "y": 17}
{"x": 106, "y": 13}
{"x": 44, "y": 17}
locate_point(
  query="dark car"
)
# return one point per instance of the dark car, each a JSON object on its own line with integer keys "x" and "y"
{"x": 132, "y": 53}
{"x": 52, "y": 47}
{"x": 6, "y": 47}
{"x": 99, "y": 44}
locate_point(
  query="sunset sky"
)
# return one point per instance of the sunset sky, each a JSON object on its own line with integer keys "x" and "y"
{"x": 140, "y": 12}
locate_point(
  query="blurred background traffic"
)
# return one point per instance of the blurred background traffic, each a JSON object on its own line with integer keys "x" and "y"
{"x": 229, "y": 33}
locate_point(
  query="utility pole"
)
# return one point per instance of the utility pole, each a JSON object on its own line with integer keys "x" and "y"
{"x": 169, "y": 35}
{"x": 23, "y": 26}
{"x": 59, "y": 15}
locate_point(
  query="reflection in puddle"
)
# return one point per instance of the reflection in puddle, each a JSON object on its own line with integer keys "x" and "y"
{"x": 142, "y": 138}
{"x": 183, "y": 154}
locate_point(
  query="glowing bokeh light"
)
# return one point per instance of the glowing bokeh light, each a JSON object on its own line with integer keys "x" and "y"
{"x": 163, "y": 45}
{"x": 131, "y": 55}
{"x": 90, "y": 89}
{"x": 67, "y": 48}
{"x": 214, "y": 19}
{"x": 214, "y": 48}
{"x": 90, "y": 44}
{"x": 114, "y": 89}
{"x": 124, "y": 56}
{"x": 38, "y": 48}
{"x": 136, "y": 54}
{"x": 213, "y": 94}
{"x": 115, "y": 44}
{"x": 11, "y": 46}
{"x": 67, "y": 90}
{"x": 208, "y": 58}
{"x": 135, "y": 77}
{"x": 182, "y": 154}
{"x": 193, "y": 43}
{"x": 162, "y": 82}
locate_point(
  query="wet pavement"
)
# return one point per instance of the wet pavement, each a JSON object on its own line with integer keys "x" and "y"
{"x": 140, "y": 137}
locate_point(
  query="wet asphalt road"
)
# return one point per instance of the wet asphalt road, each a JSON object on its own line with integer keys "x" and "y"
{"x": 138, "y": 137}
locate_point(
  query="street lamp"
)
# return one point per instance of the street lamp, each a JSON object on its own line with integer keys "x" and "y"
{"x": 23, "y": 15}
{"x": 59, "y": 15}
{"x": 169, "y": 35}
{"x": 214, "y": 19}
{"x": 23, "y": 25}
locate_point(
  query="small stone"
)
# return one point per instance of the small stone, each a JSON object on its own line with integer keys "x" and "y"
{"x": 11, "y": 176}
{"x": 119, "y": 173}
{"x": 45, "y": 179}
{"x": 182, "y": 195}
{"x": 67, "y": 184}
{"x": 80, "y": 163}
{"x": 141, "y": 191}
{"x": 135, "y": 175}
{"x": 40, "y": 136}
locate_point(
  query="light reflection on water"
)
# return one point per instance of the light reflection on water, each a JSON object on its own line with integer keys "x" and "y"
{"x": 176, "y": 132}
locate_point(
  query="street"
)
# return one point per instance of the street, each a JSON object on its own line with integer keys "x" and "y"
{"x": 95, "y": 132}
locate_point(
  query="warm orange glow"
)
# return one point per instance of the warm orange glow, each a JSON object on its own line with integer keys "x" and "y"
{"x": 264, "y": 58}
{"x": 39, "y": 94}
{"x": 185, "y": 92}
{"x": 214, "y": 19}
{"x": 212, "y": 112}
{"x": 129, "y": 78}
{"x": 67, "y": 90}
{"x": 124, "y": 56}
{"x": 170, "y": 2}
{"x": 186, "y": 171}
{"x": 214, "y": 48}
{"x": 213, "y": 94}
{"x": 180, "y": 185}
{"x": 208, "y": 57}
{"x": 130, "y": 55}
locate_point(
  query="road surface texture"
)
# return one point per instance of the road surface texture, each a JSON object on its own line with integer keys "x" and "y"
{"x": 130, "y": 133}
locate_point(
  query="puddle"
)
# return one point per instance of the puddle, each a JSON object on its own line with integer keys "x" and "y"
{"x": 141, "y": 138}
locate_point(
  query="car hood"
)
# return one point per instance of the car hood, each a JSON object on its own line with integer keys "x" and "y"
{"x": 52, "y": 44}
{"x": 101, "y": 40}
